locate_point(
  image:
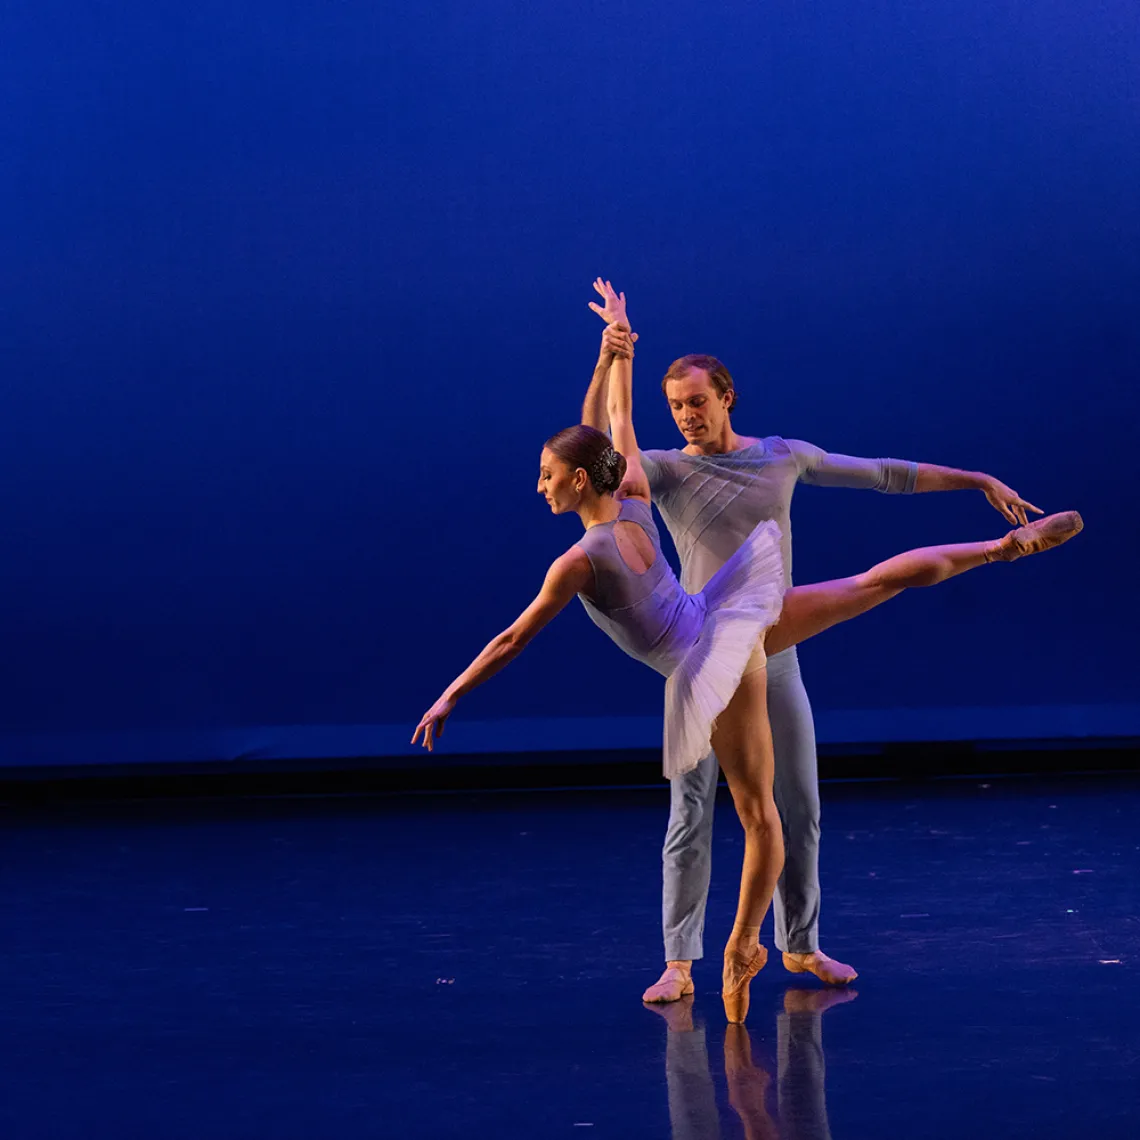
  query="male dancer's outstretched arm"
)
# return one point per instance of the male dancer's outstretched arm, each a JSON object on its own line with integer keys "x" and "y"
{"x": 828, "y": 469}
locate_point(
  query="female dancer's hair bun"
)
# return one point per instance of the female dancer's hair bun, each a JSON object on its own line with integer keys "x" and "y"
{"x": 590, "y": 449}
{"x": 608, "y": 471}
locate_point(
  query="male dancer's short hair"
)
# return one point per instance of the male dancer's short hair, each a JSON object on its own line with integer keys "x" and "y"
{"x": 719, "y": 375}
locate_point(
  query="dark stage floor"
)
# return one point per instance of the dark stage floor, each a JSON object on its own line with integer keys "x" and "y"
{"x": 470, "y": 965}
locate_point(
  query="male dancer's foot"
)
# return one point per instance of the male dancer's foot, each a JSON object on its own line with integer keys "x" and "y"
{"x": 1036, "y": 536}
{"x": 826, "y": 969}
{"x": 674, "y": 984}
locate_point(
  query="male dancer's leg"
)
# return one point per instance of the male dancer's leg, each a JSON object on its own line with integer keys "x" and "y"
{"x": 686, "y": 865}
{"x": 796, "y": 904}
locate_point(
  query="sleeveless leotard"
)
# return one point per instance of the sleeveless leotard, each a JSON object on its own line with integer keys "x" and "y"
{"x": 700, "y": 642}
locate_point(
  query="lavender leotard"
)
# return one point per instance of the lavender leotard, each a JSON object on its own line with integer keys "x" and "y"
{"x": 700, "y": 642}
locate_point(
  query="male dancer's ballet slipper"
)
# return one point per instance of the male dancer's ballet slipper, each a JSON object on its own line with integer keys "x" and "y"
{"x": 737, "y": 976}
{"x": 826, "y": 969}
{"x": 1036, "y": 536}
{"x": 673, "y": 985}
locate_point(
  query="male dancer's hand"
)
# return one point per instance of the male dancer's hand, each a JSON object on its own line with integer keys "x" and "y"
{"x": 618, "y": 341}
{"x": 1007, "y": 501}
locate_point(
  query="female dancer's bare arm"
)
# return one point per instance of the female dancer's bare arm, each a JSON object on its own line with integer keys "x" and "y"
{"x": 569, "y": 575}
{"x": 619, "y": 402}
{"x": 595, "y": 411}
{"x": 619, "y": 393}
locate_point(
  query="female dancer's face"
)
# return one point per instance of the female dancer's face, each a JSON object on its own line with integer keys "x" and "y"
{"x": 560, "y": 485}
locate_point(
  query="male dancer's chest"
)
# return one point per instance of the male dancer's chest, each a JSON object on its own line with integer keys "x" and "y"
{"x": 712, "y": 508}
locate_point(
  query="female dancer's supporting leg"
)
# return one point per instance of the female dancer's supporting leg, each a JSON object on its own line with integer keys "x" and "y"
{"x": 742, "y": 738}
{"x": 742, "y": 741}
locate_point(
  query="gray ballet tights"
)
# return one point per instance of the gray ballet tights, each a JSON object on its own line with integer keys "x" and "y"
{"x": 687, "y": 855}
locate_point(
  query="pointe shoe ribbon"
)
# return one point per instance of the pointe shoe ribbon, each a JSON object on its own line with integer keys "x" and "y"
{"x": 1036, "y": 536}
{"x": 736, "y": 980}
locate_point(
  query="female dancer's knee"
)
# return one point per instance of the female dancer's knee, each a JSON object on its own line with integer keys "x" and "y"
{"x": 914, "y": 569}
{"x": 758, "y": 814}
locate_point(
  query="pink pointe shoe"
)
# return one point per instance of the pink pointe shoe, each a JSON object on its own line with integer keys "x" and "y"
{"x": 1035, "y": 537}
{"x": 737, "y": 976}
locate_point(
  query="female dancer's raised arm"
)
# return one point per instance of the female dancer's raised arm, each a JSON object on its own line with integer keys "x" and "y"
{"x": 619, "y": 392}
{"x": 615, "y": 342}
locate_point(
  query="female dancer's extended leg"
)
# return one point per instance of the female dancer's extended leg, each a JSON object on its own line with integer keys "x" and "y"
{"x": 742, "y": 741}
{"x": 809, "y": 610}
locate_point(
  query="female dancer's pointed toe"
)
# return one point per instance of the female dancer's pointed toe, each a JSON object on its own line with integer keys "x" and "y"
{"x": 1037, "y": 536}
{"x": 738, "y": 974}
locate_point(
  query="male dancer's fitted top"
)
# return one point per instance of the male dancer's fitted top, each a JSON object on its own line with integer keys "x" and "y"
{"x": 648, "y": 615}
{"x": 711, "y": 503}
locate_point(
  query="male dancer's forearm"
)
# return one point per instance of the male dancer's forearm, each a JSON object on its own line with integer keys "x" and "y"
{"x": 1004, "y": 499}
{"x": 931, "y": 477}
{"x": 594, "y": 412}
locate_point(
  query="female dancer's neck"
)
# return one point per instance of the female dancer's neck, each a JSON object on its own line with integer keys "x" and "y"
{"x": 602, "y": 509}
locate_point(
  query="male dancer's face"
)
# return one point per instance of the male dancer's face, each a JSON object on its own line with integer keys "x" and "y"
{"x": 699, "y": 411}
{"x": 558, "y": 484}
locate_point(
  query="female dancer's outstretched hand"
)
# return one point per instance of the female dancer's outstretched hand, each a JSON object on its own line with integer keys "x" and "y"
{"x": 617, "y": 340}
{"x": 432, "y": 722}
{"x": 614, "y": 310}
{"x": 1008, "y": 502}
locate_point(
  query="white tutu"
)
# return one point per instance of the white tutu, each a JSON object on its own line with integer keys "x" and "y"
{"x": 743, "y": 600}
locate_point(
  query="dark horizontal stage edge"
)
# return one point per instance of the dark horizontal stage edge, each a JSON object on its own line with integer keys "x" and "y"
{"x": 619, "y": 768}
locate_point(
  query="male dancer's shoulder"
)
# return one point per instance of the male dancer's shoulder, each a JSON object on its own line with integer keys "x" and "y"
{"x": 806, "y": 455}
{"x": 663, "y": 470}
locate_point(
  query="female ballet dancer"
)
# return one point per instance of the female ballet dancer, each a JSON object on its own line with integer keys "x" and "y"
{"x": 708, "y": 645}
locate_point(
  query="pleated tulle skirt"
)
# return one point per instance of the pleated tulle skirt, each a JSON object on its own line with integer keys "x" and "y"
{"x": 742, "y": 600}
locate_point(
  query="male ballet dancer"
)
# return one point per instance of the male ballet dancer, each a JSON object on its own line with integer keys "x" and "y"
{"x": 711, "y": 494}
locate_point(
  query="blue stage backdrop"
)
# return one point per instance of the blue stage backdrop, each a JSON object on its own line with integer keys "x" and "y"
{"x": 293, "y": 293}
